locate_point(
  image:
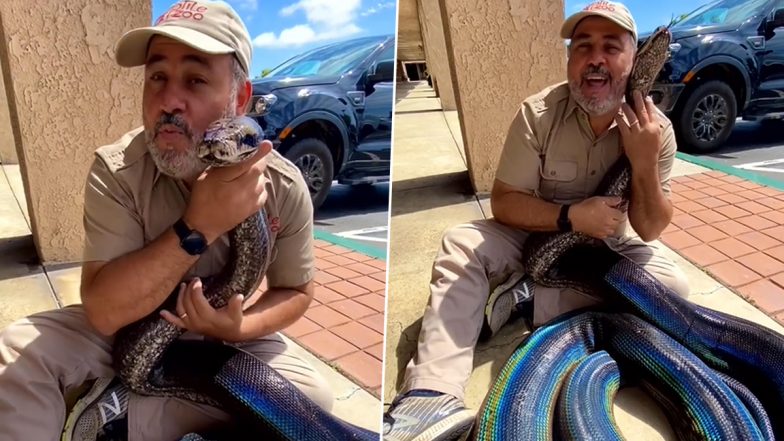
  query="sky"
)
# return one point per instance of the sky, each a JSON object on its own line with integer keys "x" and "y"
{"x": 647, "y": 13}
{"x": 281, "y": 29}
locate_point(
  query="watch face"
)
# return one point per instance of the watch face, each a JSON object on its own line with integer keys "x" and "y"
{"x": 194, "y": 243}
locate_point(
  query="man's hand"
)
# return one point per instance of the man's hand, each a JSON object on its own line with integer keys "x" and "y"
{"x": 641, "y": 137}
{"x": 596, "y": 216}
{"x": 222, "y": 197}
{"x": 195, "y": 314}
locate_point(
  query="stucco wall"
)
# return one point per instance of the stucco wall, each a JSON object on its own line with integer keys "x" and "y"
{"x": 67, "y": 97}
{"x": 409, "y": 35}
{"x": 7, "y": 146}
{"x": 435, "y": 52}
{"x": 500, "y": 53}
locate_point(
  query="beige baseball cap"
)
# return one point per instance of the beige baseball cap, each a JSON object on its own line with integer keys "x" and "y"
{"x": 212, "y": 27}
{"x": 614, "y": 11}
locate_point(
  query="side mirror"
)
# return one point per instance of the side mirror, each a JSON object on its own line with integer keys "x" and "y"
{"x": 381, "y": 71}
{"x": 778, "y": 19}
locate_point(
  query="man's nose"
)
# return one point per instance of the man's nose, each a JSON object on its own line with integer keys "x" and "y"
{"x": 172, "y": 99}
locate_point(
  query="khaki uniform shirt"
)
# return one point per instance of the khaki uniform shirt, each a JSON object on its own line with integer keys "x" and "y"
{"x": 129, "y": 203}
{"x": 551, "y": 151}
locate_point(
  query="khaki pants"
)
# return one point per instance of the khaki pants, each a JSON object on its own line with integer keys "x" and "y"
{"x": 474, "y": 258}
{"x": 45, "y": 355}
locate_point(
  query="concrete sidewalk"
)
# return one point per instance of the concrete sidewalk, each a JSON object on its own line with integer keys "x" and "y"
{"x": 725, "y": 235}
{"x": 341, "y": 333}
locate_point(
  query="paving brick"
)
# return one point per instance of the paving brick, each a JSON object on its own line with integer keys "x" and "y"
{"x": 358, "y": 257}
{"x": 772, "y": 203}
{"x": 758, "y": 240}
{"x": 732, "y": 273}
{"x": 693, "y": 194}
{"x": 679, "y": 240}
{"x": 325, "y": 295}
{"x": 321, "y": 243}
{"x": 363, "y": 367}
{"x": 714, "y": 182}
{"x": 715, "y": 174}
{"x": 753, "y": 207}
{"x": 321, "y": 253}
{"x": 374, "y": 322}
{"x": 688, "y": 206}
{"x": 696, "y": 185}
{"x": 710, "y": 216}
{"x": 375, "y": 301}
{"x": 339, "y": 260}
{"x": 731, "y": 227}
{"x": 376, "y": 351}
{"x": 732, "y": 179}
{"x": 703, "y": 255}
{"x": 748, "y": 184}
{"x": 762, "y": 264}
{"x": 368, "y": 283}
{"x": 347, "y": 289}
{"x": 778, "y": 279}
{"x": 322, "y": 264}
{"x": 711, "y": 202}
{"x": 352, "y": 309}
{"x": 686, "y": 221}
{"x": 774, "y": 216}
{"x": 301, "y": 327}
{"x": 707, "y": 233}
{"x": 751, "y": 194}
{"x": 341, "y": 272}
{"x": 378, "y": 263}
{"x": 777, "y": 252}
{"x": 323, "y": 277}
{"x": 676, "y": 197}
{"x": 731, "y": 188}
{"x": 362, "y": 268}
{"x": 769, "y": 191}
{"x": 765, "y": 294}
{"x": 381, "y": 276}
{"x": 677, "y": 187}
{"x": 776, "y": 232}
{"x": 731, "y": 198}
{"x": 325, "y": 316}
{"x": 337, "y": 249}
{"x": 732, "y": 247}
{"x": 756, "y": 222}
{"x": 358, "y": 335}
{"x": 713, "y": 191}
{"x": 327, "y": 344}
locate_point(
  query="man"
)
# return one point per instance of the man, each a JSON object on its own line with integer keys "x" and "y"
{"x": 560, "y": 144}
{"x": 154, "y": 218}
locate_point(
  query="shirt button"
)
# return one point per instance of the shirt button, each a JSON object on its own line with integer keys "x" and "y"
{"x": 552, "y": 172}
{"x": 593, "y": 172}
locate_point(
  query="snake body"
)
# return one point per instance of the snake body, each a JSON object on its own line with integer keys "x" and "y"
{"x": 718, "y": 376}
{"x": 151, "y": 360}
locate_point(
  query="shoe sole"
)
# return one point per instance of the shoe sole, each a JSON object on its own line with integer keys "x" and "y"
{"x": 450, "y": 428}
{"x": 494, "y": 319}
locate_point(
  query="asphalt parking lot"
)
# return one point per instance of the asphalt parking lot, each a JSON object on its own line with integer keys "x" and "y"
{"x": 358, "y": 213}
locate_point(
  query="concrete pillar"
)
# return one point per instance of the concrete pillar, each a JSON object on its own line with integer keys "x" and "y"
{"x": 499, "y": 53}
{"x": 435, "y": 52}
{"x": 66, "y": 97}
{"x": 7, "y": 144}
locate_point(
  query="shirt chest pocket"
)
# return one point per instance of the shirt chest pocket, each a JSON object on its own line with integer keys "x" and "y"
{"x": 558, "y": 180}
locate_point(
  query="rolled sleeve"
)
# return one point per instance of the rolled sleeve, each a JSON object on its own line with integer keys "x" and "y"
{"x": 667, "y": 156}
{"x": 111, "y": 225}
{"x": 520, "y": 160}
{"x": 294, "y": 262}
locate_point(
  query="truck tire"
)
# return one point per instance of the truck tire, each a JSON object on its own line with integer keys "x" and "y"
{"x": 314, "y": 161}
{"x": 706, "y": 118}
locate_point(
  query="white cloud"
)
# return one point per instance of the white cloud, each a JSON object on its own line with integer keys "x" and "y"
{"x": 378, "y": 8}
{"x": 326, "y": 20}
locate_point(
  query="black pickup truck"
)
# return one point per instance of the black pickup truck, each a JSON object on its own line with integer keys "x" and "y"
{"x": 726, "y": 61}
{"x": 329, "y": 111}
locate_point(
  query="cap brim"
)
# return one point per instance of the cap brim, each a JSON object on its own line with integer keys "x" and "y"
{"x": 131, "y": 49}
{"x": 568, "y": 27}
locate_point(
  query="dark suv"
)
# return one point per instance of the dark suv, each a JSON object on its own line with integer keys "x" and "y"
{"x": 726, "y": 60}
{"x": 329, "y": 111}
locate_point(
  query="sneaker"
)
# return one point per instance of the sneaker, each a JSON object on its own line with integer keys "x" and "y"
{"x": 511, "y": 298}
{"x": 101, "y": 415}
{"x": 426, "y": 415}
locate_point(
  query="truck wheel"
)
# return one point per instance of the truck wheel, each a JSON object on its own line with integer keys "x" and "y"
{"x": 707, "y": 117}
{"x": 314, "y": 160}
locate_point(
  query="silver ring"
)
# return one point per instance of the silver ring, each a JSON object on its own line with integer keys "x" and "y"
{"x": 183, "y": 315}
{"x": 635, "y": 122}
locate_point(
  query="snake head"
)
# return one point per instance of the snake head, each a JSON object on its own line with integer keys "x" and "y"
{"x": 648, "y": 62}
{"x": 230, "y": 141}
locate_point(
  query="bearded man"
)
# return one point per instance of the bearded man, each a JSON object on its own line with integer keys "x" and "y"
{"x": 156, "y": 220}
{"x": 560, "y": 144}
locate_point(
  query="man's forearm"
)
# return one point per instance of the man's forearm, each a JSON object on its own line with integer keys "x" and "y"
{"x": 649, "y": 209}
{"x": 134, "y": 285}
{"x": 276, "y": 309}
{"x": 526, "y": 212}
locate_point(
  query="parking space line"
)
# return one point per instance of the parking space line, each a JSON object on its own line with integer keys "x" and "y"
{"x": 764, "y": 166}
{"x": 362, "y": 233}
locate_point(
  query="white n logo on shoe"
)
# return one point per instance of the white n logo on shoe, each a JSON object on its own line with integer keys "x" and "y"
{"x": 116, "y": 409}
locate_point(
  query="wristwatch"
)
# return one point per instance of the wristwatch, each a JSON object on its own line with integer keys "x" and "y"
{"x": 192, "y": 241}
{"x": 564, "y": 224}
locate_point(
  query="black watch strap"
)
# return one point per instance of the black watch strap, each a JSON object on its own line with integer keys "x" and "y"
{"x": 564, "y": 224}
{"x": 192, "y": 241}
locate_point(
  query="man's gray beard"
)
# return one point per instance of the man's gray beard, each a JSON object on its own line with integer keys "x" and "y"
{"x": 182, "y": 165}
{"x": 595, "y": 106}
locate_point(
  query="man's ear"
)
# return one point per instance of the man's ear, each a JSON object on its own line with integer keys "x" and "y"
{"x": 244, "y": 95}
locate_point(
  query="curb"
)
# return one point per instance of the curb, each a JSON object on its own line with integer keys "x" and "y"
{"x": 730, "y": 170}
{"x": 353, "y": 245}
